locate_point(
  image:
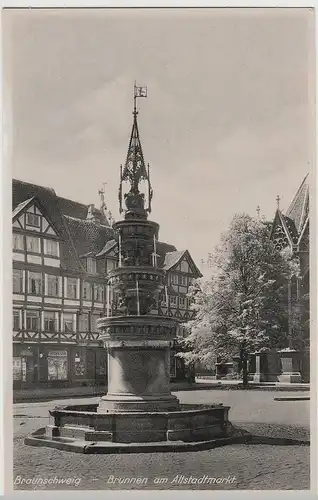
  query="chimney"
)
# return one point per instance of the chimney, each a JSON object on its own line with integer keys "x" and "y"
{"x": 93, "y": 214}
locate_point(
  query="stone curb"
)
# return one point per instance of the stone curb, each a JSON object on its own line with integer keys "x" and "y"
{"x": 119, "y": 448}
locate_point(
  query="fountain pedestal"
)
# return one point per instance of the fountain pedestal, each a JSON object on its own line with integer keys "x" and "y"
{"x": 138, "y": 364}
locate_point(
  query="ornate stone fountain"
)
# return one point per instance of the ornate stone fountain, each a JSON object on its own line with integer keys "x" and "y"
{"x": 138, "y": 413}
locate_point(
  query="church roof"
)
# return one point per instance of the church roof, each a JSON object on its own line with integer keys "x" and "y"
{"x": 295, "y": 220}
{"x": 299, "y": 207}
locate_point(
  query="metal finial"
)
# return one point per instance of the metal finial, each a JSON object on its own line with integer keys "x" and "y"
{"x": 278, "y": 200}
{"x": 135, "y": 112}
{"x": 258, "y": 210}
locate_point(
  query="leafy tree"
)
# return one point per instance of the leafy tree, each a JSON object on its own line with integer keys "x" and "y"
{"x": 243, "y": 307}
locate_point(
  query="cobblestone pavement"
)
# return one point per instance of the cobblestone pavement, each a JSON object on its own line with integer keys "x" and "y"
{"x": 245, "y": 466}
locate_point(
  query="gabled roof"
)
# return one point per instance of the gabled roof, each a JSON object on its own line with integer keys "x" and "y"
{"x": 299, "y": 207}
{"x": 280, "y": 220}
{"x": 172, "y": 259}
{"x": 107, "y": 248}
{"x": 19, "y": 208}
{"x": 296, "y": 219}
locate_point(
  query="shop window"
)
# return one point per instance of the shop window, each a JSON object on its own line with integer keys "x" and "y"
{"x": 68, "y": 323}
{"x": 33, "y": 320}
{"x": 17, "y": 241}
{"x": 52, "y": 285}
{"x": 78, "y": 365}
{"x": 49, "y": 321}
{"x": 33, "y": 244}
{"x": 52, "y": 248}
{"x": 35, "y": 283}
{"x": 71, "y": 288}
{"x": 87, "y": 290}
{"x": 57, "y": 365}
{"x": 19, "y": 368}
{"x": 98, "y": 293}
{"x": 33, "y": 220}
{"x": 17, "y": 281}
{"x": 16, "y": 320}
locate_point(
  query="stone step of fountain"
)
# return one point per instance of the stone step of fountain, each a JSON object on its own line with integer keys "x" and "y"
{"x": 196, "y": 434}
{"x": 78, "y": 432}
{"x": 98, "y": 436}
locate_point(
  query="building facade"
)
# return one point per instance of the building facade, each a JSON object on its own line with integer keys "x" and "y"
{"x": 62, "y": 252}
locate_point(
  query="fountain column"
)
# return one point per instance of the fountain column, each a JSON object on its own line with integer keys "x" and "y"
{"x": 137, "y": 341}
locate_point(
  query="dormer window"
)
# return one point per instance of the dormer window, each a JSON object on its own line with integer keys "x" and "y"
{"x": 33, "y": 220}
{"x": 91, "y": 265}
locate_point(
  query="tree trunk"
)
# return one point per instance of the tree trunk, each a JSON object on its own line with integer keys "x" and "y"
{"x": 244, "y": 358}
{"x": 244, "y": 372}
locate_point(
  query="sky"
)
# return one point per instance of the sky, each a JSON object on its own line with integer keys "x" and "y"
{"x": 227, "y": 124}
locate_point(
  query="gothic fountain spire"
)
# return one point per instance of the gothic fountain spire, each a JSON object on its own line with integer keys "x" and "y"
{"x": 135, "y": 170}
